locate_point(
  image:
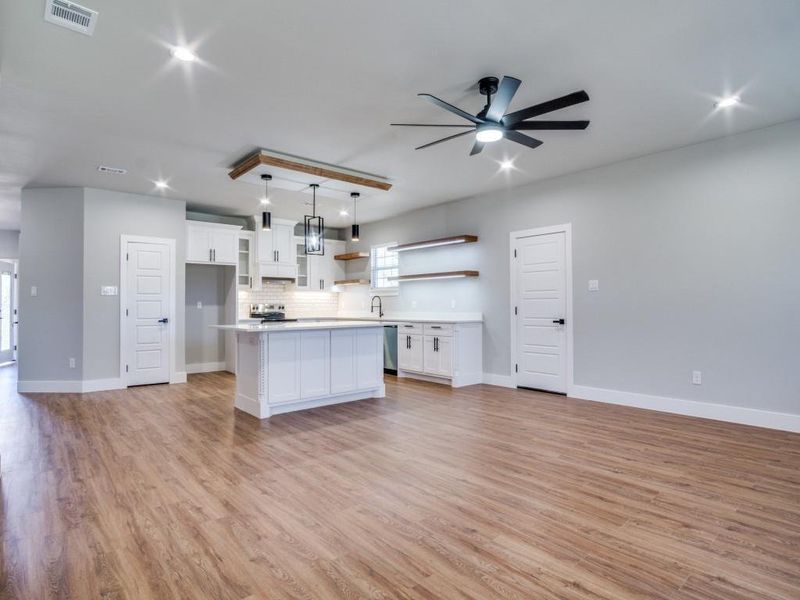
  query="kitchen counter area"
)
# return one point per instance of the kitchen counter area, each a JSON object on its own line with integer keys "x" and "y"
{"x": 295, "y": 365}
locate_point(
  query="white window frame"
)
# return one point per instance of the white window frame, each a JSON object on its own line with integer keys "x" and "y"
{"x": 385, "y": 291}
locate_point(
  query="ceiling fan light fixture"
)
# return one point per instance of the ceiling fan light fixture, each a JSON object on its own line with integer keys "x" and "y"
{"x": 488, "y": 134}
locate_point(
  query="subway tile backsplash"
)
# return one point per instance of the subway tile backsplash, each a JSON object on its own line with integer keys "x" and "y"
{"x": 298, "y": 304}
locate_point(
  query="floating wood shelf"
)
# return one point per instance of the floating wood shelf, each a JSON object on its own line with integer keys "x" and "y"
{"x": 351, "y": 256}
{"x": 446, "y": 241}
{"x": 352, "y": 282}
{"x": 445, "y": 275}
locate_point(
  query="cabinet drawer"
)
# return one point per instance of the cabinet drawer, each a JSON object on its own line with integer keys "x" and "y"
{"x": 409, "y": 328}
{"x": 439, "y": 329}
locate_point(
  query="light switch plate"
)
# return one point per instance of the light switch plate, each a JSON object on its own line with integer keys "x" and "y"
{"x": 594, "y": 285}
{"x": 109, "y": 290}
{"x": 199, "y": 304}
{"x": 34, "y": 290}
{"x": 697, "y": 378}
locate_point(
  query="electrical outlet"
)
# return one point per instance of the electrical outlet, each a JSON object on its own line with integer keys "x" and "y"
{"x": 199, "y": 304}
{"x": 594, "y": 285}
{"x": 71, "y": 363}
{"x": 453, "y": 303}
{"x": 34, "y": 290}
{"x": 697, "y": 377}
{"x": 413, "y": 304}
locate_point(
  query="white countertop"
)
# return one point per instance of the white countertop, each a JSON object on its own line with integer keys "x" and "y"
{"x": 297, "y": 326}
{"x": 405, "y": 318}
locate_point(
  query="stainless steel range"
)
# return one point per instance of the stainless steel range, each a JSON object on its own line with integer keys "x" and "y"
{"x": 269, "y": 312}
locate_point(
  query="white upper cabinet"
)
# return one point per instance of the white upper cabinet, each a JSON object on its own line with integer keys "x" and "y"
{"x": 317, "y": 273}
{"x": 212, "y": 243}
{"x": 276, "y": 250}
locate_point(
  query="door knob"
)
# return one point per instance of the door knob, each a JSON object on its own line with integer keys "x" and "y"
{"x": 164, "y": 320}
{"x": 559, "y": 321}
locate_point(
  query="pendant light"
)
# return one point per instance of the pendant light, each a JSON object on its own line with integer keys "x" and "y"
{"x": 354, "y": 234}
{"x": 266, "y": 216}
{"x": 314, "y": 228}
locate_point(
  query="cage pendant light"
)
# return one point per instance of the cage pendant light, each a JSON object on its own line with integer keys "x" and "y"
{"x": 354, "y": 236}
{"x": 314, "y": 228}
{"x": 266, "y": 216}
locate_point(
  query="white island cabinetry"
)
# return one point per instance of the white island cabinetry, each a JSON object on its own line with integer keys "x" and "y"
{"x": 294, "y": 366}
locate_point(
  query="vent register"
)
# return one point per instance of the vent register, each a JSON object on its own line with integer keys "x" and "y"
{"x": 70, "y": 15}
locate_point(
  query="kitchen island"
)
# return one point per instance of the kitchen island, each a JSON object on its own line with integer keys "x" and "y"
{"x": 288, "y": 366}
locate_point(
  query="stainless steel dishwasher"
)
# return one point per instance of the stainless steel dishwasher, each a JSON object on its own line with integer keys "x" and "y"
{"x": 390, "y": 349}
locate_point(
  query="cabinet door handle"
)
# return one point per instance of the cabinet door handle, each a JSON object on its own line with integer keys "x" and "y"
{"x": 277, "y": 256}
{"x": 209, "y": 255}
{"x": 436, "y": 344}
{"x": 408, "y": 341}
{"x": 436, "y": 326}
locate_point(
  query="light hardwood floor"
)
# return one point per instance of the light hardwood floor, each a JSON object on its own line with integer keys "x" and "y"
{"x": 481, "y": 492}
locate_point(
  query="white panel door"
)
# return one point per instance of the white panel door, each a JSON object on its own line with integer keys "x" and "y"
{"x": 148, "y": 302}
{"x": 283, "y": 374}
{"x": 541, "y": 308}
{"x": 369, "y": 358}
{"x": 6, "y": 312}
{"x": 343, "y": 361}
{"x": 225, "y": 245}
{"x": 315, "y": 371}
{"x": 409, "y": 352}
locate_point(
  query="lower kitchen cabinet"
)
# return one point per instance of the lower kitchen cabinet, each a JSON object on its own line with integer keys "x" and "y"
{"x": 283, "y": 373}
{"x": 446, "y": 352}
{"x": 315, "y": 352}
{"x": 356, "y": 360}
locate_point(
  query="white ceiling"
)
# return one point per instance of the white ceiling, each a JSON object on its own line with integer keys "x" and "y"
{"x": 323, "y": 80}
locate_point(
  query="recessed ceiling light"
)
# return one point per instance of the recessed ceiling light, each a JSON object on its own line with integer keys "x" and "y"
{"x": 343, "y": 213}
{"x": 507, "y": 165}
{"x": 727, "y": 102}
{"x": 161, "y": 184}
{"x": 184, "y": 54}
{"x": 489, "y": 134}
{"x": 265, "y": 201}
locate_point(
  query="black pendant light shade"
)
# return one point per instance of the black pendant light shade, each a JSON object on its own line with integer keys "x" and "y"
{"x": 314, "y": 228}
{"x": 266, "y": 216}
{"x": 354, "y": 236}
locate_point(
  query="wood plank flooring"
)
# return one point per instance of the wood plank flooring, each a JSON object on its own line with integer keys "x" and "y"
{"x": 482, "y": 492}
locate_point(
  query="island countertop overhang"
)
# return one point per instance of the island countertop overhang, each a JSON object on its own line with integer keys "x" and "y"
{"x": 296, "y": 326}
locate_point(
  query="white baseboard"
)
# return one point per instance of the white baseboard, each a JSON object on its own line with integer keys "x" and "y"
{"x": 208, "y": 367}
{"x": 179, "y": 377}
{"x": 73, "y": 386}
{"x": 99, "y": 385}
{"x": 692, "y": 408}
{"x": 506, "y": 381}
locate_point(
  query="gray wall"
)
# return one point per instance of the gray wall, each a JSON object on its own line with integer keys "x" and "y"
{"x": 51, "y": 258}
{"x": 697, "y": 253}
{"x": 9, "y": 244}
{"x": 206, "y": 284}
{"x": 108, "y": 215}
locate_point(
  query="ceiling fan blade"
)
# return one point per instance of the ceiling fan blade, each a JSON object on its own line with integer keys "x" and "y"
{"x": 545, "y": 107}
{"x": 499, "y": 106}
{"x": 453, "y": 109}
{"x": 549, "y": 125}
{"x": 449, "y": 137}
{"x": 523, "y": 139}
{"x": 425, "y": 125}
{"x": 476, "y": 148}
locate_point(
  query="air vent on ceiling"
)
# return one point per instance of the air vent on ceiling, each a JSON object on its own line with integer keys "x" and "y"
{"x": 70, "y": 15}
{"x": 112, "y": 170}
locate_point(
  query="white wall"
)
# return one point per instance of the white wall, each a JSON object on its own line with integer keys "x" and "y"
{"x": 107, "y": 216}
{"x": 697, "y": 252}
{"x": 9, "y": 244}
{"x": 51, "y": 259}
{"x": 69, "y": 248}
{"x": 207, "y": 284}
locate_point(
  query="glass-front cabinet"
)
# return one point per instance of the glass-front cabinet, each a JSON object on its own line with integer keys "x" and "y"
{"x": 302, "y": 264}
{"x": 248, "y": 277}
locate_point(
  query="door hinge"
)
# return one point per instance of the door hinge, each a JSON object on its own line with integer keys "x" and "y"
{"x": 126, "y": 312}
{"x": 515, "y": 310}
{"x": 515, "y": 253}
{"x": 516, "y": 368}
{"x": 127, "y": 256}
{"x": 126, "y": 368}
{"x": 16, "y": 276}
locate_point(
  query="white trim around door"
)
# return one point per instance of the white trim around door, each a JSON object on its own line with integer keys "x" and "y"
{"x": 514, "y": 237}
{"x": 123, "y": 296}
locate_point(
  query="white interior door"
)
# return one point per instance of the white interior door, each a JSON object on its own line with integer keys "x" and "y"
{"x": 148, "y": 303}
{"x": 541, "y": 303}
{"x": 7, "y": 316}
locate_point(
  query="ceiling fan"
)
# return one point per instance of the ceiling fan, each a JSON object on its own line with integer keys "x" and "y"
{"x": 493, "y": 123}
